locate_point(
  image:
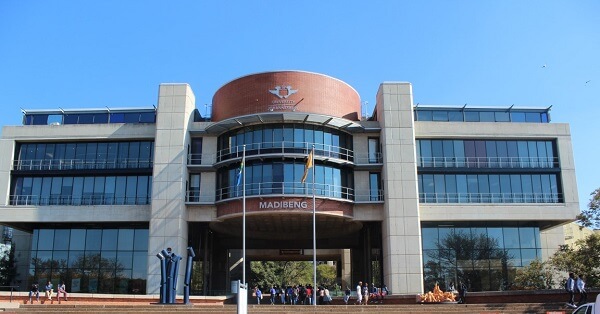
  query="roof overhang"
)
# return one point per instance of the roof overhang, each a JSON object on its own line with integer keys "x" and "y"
{"x": 285, "y": 117}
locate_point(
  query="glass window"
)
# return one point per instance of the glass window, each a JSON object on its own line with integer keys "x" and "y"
{"x": 141, "y": 240}
{"x": 424, "y": 115}
{"x": 125, "y": 258}
{"x": 61, "y": 239}
{"x": 46, "y": 239}
{"x": 147, "y": 117}
{"x": 471, "y": 116}
{"x": 511, "y": 237}
{"x": 502, "y": 116}
{"x": 487, "y": 116}
{"x": 374, "y": 179}
{"x": 93, "y": 239}
{"x": 455, "y": 116}
{"x": 77, "y": 240}
{"x": 517, "y": 116}
{"x": 109, "y": 239}
{"x": 120, "y": 187}
{"x": 430, "y": 238}
{"x": 131, "y": 192}
{"x": 126, "y": 237}
{"x": 440, "y": 115}
{"x": 533, "y": 117}
{"x": 527, "y": 237}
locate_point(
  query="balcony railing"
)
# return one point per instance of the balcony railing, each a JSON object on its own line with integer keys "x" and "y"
{"x": 36, "y": 200}
{"x": 194, "y": 197}
{"x": 488, "y": 162}
{"x": 286, "y": 188}
{"x": 368, "y": 158}
{"x": 526, "y": 198}
{"x": 81, "y": 164}
{"x": 285, "y": 147}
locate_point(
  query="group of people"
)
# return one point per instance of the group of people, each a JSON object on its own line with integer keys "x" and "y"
{"x": 366, "y": 293}
{"x": 576, "y": 284}
{"x": 49, "y": 291}
{"x": 294, "y": 295}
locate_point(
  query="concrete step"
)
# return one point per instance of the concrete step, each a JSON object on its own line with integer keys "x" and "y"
{"x": 508, "y": 308}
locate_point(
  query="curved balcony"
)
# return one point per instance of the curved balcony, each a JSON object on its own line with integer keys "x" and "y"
{"x": 277, "y": 148}
{"x": 286, "y": 147}
{"x": 286, "y": 188}
{"x": 360, "y": 196}
{"x": 524, "y": 198}
{"x": 489, "y": 162}
{"x": 81, "y": 164}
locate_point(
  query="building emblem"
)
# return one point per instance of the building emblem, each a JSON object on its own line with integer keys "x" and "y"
{"x": 283, "y": 91}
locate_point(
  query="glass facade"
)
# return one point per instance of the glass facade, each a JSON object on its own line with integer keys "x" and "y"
{"x": 142, "y": 116}
{"x": 285, "y": 138}
{"x": 84, "y": 155}
{"x": 268, "y": 178}
{"x": 91, "y": 260}
{"x": 486, "y": 154}
{"x": 489, "y": 188}
{"x": 485, "y": 257}
{"x": 481, "y": 115}
{"x": 80, "y": 190}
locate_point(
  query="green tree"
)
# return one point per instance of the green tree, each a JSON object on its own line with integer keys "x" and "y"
{"x": 282, "y": 273}
{"x": 326, "y": 275}
{"x": 537, "y": 275}
{"x": 590, "y": 217}
{"x": 581, "y": 258}
{"x": 8, "y": 269}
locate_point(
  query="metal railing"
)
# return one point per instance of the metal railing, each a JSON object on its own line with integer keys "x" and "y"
{"x": 76, "y": 164}
{"x": 36, "y": 200}
{"x": 489, "y": 162}
{"x": 194, "y": 196}
{"x": 525, "y": 198}
{"x": 12, "y": 288}
{"x": 286, "y": 188}
{"x": 285, "y": 148}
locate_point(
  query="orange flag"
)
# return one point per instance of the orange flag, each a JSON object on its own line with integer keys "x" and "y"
{"x": 309, "y": 164}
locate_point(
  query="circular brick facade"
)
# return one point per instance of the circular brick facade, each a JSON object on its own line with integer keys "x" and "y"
{"x": 286, "y": 91}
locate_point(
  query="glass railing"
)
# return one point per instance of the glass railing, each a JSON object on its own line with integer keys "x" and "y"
{"x": 36, "y": 200}
{"x": 284, "y": 147}
{"x": 527, "y": 198}
{"x": 488, "y": 162}
{"x": 194, "y": 197}
{"x": 83, "y": 164}
{"x": 286, "y": 188}
{"x": 260, "y": 149}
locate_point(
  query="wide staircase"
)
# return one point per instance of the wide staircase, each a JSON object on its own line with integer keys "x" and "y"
{"x": 508, "y": 308}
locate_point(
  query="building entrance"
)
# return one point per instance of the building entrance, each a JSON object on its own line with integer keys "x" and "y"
{"x": 356, "y": 256}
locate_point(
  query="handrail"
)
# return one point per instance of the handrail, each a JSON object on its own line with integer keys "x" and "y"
{"x": 489, "y": 162}
{"x": 285, "y": 147}
{"x": 194, "y": 196}
{"x": 101, "y": 199}
{"x": 11, "y": 290}
{"x": 286, "y": 188}
{"x": 524, "y": 198}
{"x": 75, "y": 164}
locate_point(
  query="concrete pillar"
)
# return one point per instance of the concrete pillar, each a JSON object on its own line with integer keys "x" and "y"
{"x": 401, "y": 228}
{"x": 168, "y": 224}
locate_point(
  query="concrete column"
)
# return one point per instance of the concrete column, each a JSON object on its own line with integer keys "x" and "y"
{"x": 401, "y": 227}
{"x": 168, "y": 222}
{"x": 346, "y": 269}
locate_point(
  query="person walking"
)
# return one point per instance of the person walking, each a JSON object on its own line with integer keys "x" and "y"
{"x": 347, "y": 293}
{"x": 258, "y": 294}
{"x": 359, "y": 293}
{"x": 570, "y": 287}
{"x": 581, "y": 290}
{"x": 365, "y": 293}
{"x": 462, "y": 293}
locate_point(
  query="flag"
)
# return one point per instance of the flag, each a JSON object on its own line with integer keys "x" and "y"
{"x": 309, "y": 164}
{"x": 238, "y": 177}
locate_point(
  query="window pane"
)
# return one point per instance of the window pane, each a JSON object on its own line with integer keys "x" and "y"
{"x": 125, "y": 239}
{"x": 77, "y": 239}
{"x": 109, "y": 239}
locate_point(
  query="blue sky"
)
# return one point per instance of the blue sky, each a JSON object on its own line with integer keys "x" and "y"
{"x": 79, "y": 54}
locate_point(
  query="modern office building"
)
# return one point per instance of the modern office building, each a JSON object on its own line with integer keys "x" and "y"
{"x": 410, "y": 196}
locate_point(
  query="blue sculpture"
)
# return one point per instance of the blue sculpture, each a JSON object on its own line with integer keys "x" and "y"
{"x": 169, "y": 267}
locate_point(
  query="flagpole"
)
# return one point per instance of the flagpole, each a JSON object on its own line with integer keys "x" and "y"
{"x": 244, "y": 216}
{"x": 314, "y": 230}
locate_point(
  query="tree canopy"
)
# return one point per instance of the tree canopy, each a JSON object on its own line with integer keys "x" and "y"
{"x": 590, "y": 217}
{"x": 581, "y": 258}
